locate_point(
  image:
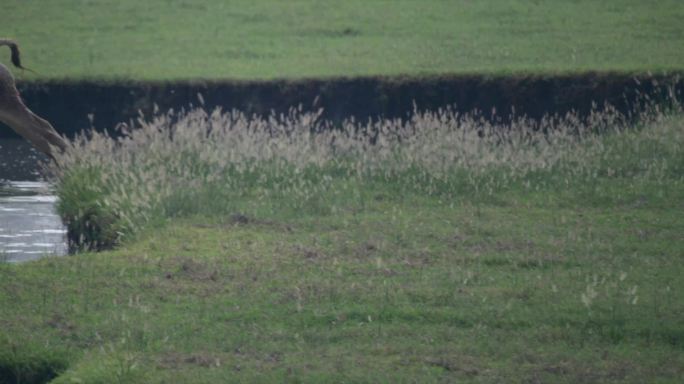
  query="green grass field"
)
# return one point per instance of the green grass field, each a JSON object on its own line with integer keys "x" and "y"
{"x": 452, "y": 253}
{"x": 169, "y": 39}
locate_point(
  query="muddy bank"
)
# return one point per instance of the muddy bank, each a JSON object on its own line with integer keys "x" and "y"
{"x": 68, "y": 105}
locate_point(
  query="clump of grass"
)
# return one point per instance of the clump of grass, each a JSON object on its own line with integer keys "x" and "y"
{"x": 216, "y": 162}
{"x": 29, "y": 362}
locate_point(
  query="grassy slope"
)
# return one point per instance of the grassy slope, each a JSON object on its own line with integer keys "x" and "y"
{"x": 167, "y": 39}
{"x": 396, "y": 287}
{"x": 400, "y": 292}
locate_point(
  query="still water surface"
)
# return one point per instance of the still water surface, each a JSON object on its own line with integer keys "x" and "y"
{"x": 29, "y": 225}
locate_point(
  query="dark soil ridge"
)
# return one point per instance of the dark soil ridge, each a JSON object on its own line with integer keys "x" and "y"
{"x": 68, "y": 104}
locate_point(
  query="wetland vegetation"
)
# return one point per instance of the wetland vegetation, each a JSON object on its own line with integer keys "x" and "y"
{"x": 445, "y": 249}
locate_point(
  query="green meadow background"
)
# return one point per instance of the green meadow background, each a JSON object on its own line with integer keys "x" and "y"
{"x": 267, "y": 39}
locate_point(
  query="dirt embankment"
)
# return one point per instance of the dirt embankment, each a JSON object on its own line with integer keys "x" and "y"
{"x": 68, "y": 105}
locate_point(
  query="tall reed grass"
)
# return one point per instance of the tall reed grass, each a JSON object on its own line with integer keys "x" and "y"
{"x": 219, "y": 162}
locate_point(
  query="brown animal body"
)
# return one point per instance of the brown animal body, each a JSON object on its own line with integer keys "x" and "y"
{"x": 17, "y": 116}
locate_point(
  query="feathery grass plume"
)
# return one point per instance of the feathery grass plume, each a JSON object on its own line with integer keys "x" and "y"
{"x": 218, "y": 162}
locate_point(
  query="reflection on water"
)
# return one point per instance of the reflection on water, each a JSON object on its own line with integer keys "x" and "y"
{"x": 19, "y": 160}
{"x": 29, "y": 226}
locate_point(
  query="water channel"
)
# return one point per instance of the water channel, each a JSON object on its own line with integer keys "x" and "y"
{"x": 29, "y": 226}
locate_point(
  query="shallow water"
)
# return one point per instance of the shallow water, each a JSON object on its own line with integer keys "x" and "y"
{"x": 29, "y": 225}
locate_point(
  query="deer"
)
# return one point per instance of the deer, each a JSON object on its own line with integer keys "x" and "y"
{"x": 16, "y": 115}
